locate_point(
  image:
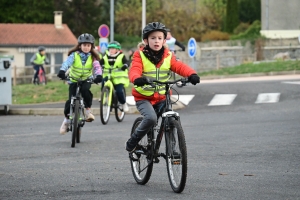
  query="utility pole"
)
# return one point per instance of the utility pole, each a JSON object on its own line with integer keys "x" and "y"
{"x": 112, "y": 20}
{"x": 143, "y": 15}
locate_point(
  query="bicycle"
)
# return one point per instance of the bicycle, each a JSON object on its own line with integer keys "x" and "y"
{"x": 109, "y": 101}
{"x": 147, "y": 151}
{"x": 41, "y": 76}
{"x": 77, "y": 116}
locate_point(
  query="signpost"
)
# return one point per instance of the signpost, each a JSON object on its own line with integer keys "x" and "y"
{"x": 103, "y": 32}
{"x": 192, "y": 50}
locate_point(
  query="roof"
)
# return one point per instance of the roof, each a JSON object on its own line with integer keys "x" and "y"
{"x": 36, "y": 34}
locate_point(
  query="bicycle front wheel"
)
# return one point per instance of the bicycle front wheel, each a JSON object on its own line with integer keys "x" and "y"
{"x": 42, "y": 78}
{"x": 75, "y": 130}
{"x": 119, "y": 112}
{"x": 141, "y": 160}
{"x": 105, "y": 105}
{"x": 176, "y": 156}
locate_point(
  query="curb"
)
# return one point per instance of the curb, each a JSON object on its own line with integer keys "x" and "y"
{"x": 59, "y": 111}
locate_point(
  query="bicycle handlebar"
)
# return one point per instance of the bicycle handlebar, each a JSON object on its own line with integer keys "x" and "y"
{"x": 184, "y": 81}
{"x": 68, "y": 78}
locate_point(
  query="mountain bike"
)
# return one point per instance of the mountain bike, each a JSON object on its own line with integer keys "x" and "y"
{"x": 77, "y": 116}
{"x": 41, "y": 76}
{"x": 175, "y": 153}
{"x": 109, "y": 101}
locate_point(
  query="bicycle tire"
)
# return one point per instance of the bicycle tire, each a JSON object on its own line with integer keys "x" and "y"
{"x": 142, "y": 177}
{"x": 75, "y": 123}
{"x": 78, "y": 134}
{"x": 119, "y": 113}
{"x": 176, "y": 157}
{"x": 104, "y": 107}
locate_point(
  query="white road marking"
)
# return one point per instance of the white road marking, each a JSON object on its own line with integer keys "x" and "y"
{"x": 292, "y": 82}
{"x": 185, "y": 99}
{"x": 222, "y": 99}
{"x": 267, "y": 98}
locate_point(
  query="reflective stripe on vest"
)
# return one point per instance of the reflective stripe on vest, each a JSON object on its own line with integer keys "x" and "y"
{"x": 80, "y": 71}
{"x": 39, "y": 60}
{"x": 118, "y": 76}
{"x": 150, "y": 71}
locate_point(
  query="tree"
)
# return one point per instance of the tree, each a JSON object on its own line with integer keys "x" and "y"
{"x": 249, "y": 10}
{"x": 232, "y": 15}
{"x": 26, "y": 11}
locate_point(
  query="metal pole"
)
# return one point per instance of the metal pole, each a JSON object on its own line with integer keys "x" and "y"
{"x": 112, "y": 20}
{"x": 143, "y": 15}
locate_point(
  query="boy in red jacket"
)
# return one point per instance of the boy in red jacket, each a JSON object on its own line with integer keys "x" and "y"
{"x": 153, "y": 61}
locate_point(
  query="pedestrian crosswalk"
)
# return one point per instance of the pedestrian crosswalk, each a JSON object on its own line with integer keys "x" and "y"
{"x": 223, "y": 99}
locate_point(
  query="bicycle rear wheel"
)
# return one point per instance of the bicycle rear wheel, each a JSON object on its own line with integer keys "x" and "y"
{"x": 105, "y": 105}
{"x": 75, "y": 123}
{"x": 119, "y": 113}
{"x": 176, "y": 156}
{"x": 42, "y": 78}
{"x": 141, "y": 164}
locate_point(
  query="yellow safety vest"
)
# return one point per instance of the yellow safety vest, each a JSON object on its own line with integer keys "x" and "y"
{"x": 117, "y": 74}
{"x": 78, "y": 70}
{"x": 152, "y": 72}
{"x": 39, "y": 60}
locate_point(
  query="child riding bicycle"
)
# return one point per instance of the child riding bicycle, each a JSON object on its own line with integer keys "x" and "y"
{"x": 115, "y": 60}
{"x": 83, "y": 63}
{"x": 37, "y": 60}
{"x": 153, "y": 61}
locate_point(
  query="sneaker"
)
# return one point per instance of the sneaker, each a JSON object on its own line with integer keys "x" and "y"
{"x": 89, "y": 117}
{"x": 64, "y": 127}
{"x": 131, "y": 143}
{"x": 125, "y": 107}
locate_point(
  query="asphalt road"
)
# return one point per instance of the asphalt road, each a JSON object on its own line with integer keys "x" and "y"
{"x": 240, "y": 151}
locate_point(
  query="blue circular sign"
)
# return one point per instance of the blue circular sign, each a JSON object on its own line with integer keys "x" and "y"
{"x": 192, "y": 47}
{"x": 103, "y": 31}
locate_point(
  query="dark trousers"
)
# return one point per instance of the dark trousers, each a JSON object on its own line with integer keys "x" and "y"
{"x": 86, "y": 95}
{"x": 36, "y": 68}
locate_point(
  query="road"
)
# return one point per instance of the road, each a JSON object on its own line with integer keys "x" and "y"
{"x": 243, "y": 150}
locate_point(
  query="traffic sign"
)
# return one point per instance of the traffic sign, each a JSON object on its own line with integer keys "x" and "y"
{"x": 192, "y": 47}
{"x": 103, "y": 43}
{"x": 103, "y": 31}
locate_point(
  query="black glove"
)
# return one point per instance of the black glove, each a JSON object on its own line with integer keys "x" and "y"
{"x": 124, "y": 67}
{"x": 98, "y": 79}
{"x": 61, "y": 74}
{"x": 194, "y": 79}
{"x": 141, "y": 81}
{"x": 105, "y": 78}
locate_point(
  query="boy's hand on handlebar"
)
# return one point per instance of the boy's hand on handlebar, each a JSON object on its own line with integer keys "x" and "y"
{"x": 141, "y": 81}
{"x": 61, "y": 74}
{"x": 98, "y": 79}
{"x": 194, "y": 79}
{"x": 124, "y": 67}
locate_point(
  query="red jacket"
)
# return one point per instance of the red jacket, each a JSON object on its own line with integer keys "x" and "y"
{"x": 136, "y": 70}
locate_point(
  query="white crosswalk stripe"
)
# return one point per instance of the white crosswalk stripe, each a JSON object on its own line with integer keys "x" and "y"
{"x": 267, "y": 98}
{"x": 222, "y": 99}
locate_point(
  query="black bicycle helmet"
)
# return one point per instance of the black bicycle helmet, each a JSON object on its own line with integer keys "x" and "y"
{"x": 154, "y": 26}
{"x": 41, "y": 48}
{"x": 86, "y": 38}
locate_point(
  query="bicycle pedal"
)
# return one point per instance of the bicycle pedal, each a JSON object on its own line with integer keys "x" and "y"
{"x": 176, "y": 162}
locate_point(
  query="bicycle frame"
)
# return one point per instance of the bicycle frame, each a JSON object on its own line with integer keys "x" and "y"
{"x": 166, "y": 115}
{"x": 81, "y": 105}
{"x": 109, "y": 84}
